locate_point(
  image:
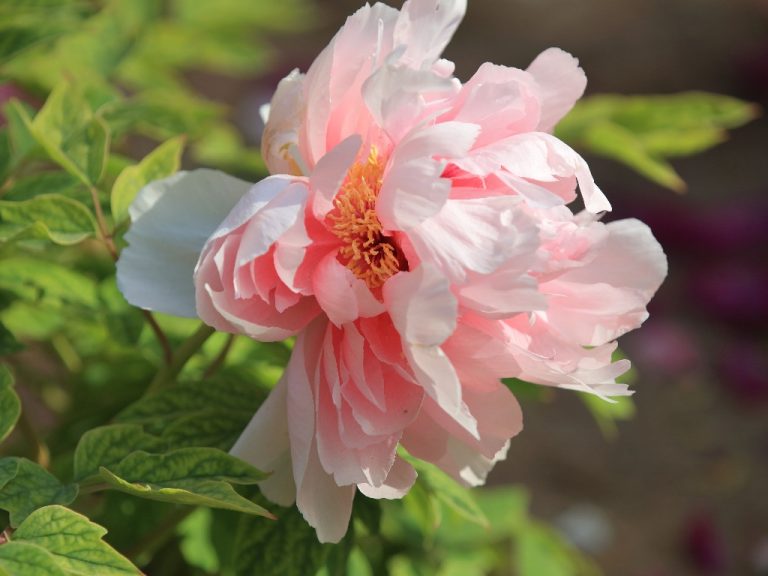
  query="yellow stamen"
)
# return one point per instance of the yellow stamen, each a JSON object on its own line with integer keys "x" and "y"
{"x": 372, "y": 256}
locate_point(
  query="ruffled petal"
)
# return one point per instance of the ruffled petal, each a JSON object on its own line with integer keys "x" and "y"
{"x": 413, "y": 189}
{"x": 171, "y": 221}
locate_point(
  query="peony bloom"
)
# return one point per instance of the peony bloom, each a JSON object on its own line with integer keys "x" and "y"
{"x": 415, "y": 238}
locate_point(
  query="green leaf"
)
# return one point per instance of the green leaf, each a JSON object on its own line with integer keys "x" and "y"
{"x": 31, "y": 488}
{"x": 20, "y": 136}
{"x": 62, "y": 220}
{"x": 108, "y": 445}
{"x": 642, "y": 131}
{"x": 618, "y": 143}
{"x": 25, "y": 559}
{"x": 195, "y": 541}
{"x": 161, "y": 162}
{"x": 208, "y": 413}
{"x": 607, "y": 414}
{"x": 10, "y": 405}
{"x": 16, "y": 39}
{"x": 28, "y": 187}
{"x": 74, "y": 541}
{"x": 40, "y": 280}
{"x": 539, "y": 552}
{"x": 288, "y": 547}
{"x": 196, "y": 476}
{"x": 9, "y": 467}
{"x": 71, "y": 135}
{"x": 8, "y": 343}
{"x": 448, "y": 492}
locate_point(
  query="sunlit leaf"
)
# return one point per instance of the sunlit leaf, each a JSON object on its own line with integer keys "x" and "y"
{"x": 641, "y": 131}
{"x": 161, "y": 162}
{"x": 58, "y": 218}
{"x": 74, "y": 541}
{"x": 32, "y": 487}
{"x": 25, "y": 559}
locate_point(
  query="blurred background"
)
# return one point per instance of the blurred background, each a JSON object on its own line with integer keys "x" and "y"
{"x": 682, "y": 487}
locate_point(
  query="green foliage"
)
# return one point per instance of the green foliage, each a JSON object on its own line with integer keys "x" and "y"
{"x": 8, "y": 343}
{"x": 108, "y": 445}
{"x": 74, "y": 542}
{"x": 288, "y": 546}
{"x": 195, "y": 476}
{"x": 643, "y": 131}
{"x": 62, "y": 220}
{"x": 24, "y": 559}
{"x": 163, "y": 161}
{"x": 26, "y": 486}
{"x": 10, "y": 405}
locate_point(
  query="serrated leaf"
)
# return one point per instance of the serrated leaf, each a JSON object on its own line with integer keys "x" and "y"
{"x": 10, "y": 405}
{"x": 74, "y": 541}
{"x": 73, "y": 138}
{"x": 31, "y": 488}
{"x": 108, "y": 445}
{"x": 445, "y": 490}
{"x": 196, "y": 476}
{"x": 288, "y": 547}
{"x": 62, "y": 220}
{"x": 25, "y": 559}
{"x": 161, "y": 162}
{"x": 209, "y": 413}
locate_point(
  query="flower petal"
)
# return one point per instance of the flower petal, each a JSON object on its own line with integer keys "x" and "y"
{"x": 264, "y": 444}
{"x": 399, "y": 480}
{"x": 426, "y": 27}
{"x": 279, "y": 142}
{"x": 562, "y": 83}
{"x": 172, "y": 219}
{"x": 413, "y": 188}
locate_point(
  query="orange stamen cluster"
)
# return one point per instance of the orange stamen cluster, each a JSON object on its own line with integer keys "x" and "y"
{"x": 372, "y": 256}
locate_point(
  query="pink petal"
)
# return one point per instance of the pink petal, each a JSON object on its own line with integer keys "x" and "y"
{"x": 279, "y": 142}
{"x": 561, "y": 82}
{"x": 425, "y": 27}
{"x": 413, "y": 189}
{"x": 399, "y": 481}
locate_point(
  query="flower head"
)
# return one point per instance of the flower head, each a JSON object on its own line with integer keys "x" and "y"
{"x": 415, "y": 238}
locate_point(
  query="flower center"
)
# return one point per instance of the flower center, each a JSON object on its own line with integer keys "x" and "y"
{"x": 366, "y": 250}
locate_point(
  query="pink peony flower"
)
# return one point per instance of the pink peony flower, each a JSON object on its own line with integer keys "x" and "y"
{"x": 415, "y": 239}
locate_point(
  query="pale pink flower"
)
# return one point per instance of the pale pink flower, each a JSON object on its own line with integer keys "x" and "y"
{"x": 416, "y": 240}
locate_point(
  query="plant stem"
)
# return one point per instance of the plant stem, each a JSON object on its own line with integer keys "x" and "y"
{"x": 167, "y": 373}
{"x": 106, "y": 236}
{"x": 109, "y": 243}
{"x": 160, "y": 335}
{"x": 38, "y": 446}
{"x": 220, "y": 358}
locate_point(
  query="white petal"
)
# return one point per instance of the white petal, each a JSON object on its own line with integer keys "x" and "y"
{"x": 172, "y": 219}
{"x": 264, "y": 444}
{"x": 282, "y": 118}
